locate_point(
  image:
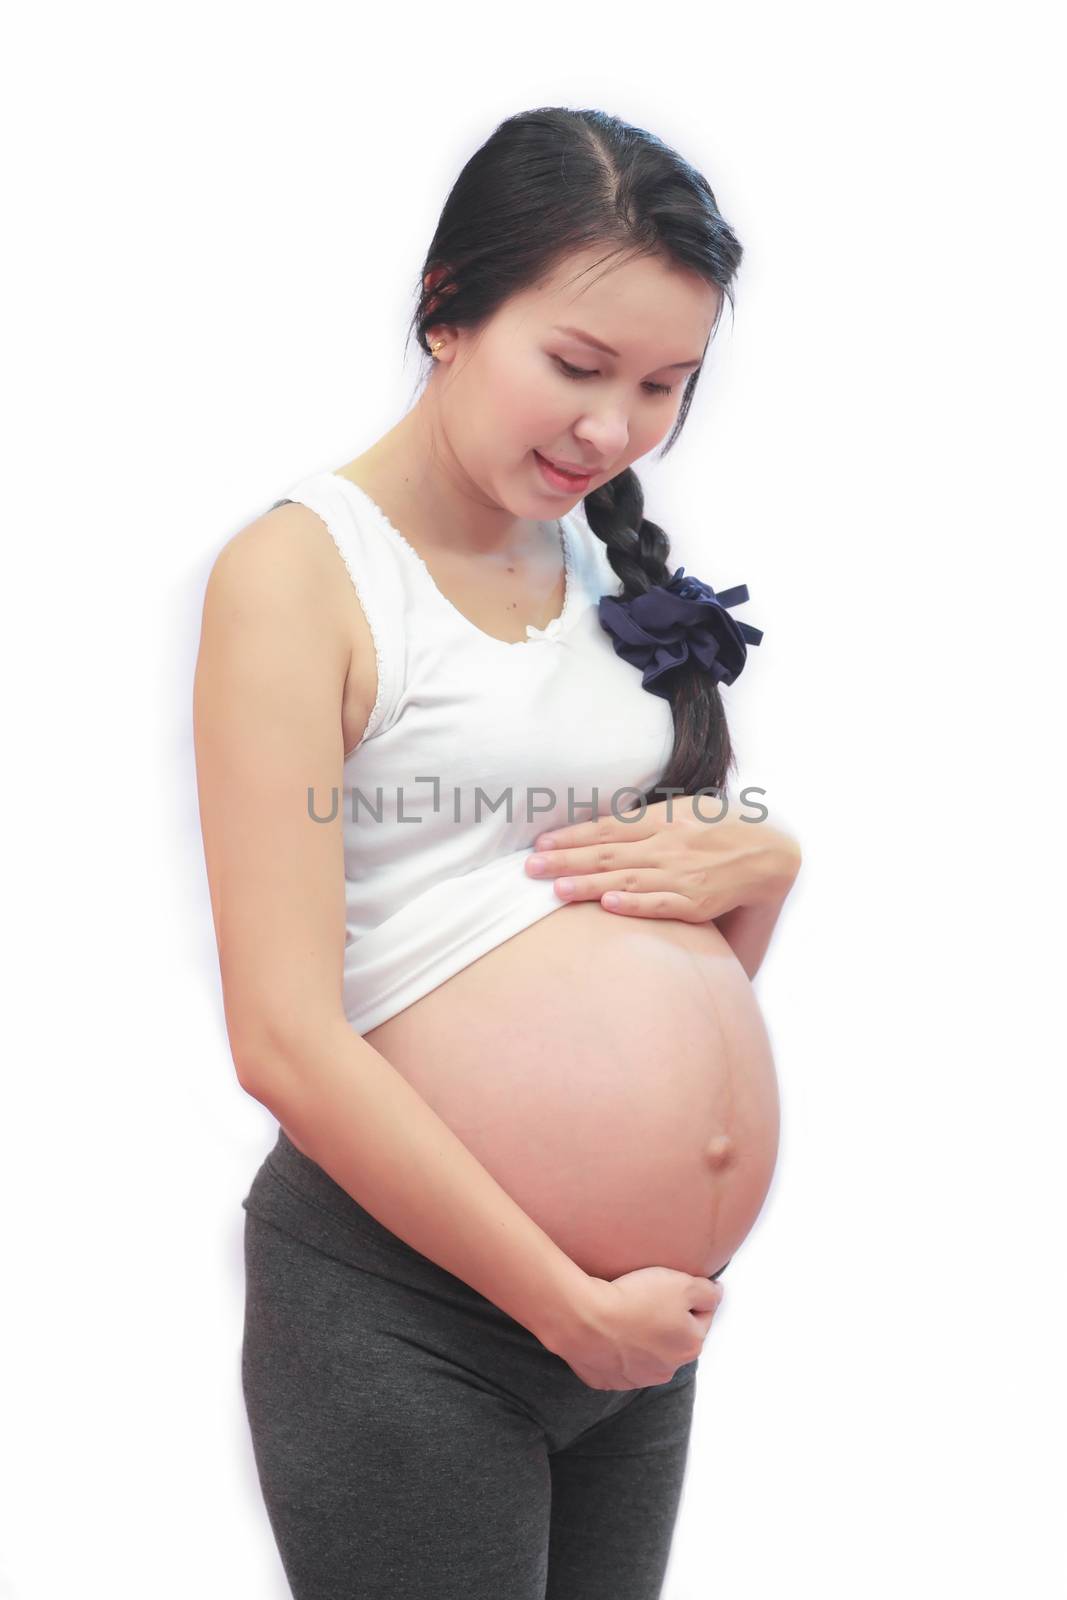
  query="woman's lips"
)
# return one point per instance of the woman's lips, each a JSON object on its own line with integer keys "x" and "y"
{"x": 559, "y": 479}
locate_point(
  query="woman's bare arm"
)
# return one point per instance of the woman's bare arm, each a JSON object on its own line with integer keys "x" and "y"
{"x": 747, "y": 929}
{"x": 270, "y": 678}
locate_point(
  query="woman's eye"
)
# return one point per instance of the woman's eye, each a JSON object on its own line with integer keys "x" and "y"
{"x": 581, "y": 372}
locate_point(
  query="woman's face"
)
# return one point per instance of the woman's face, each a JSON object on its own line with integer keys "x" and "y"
{"x": 510, "y": 389}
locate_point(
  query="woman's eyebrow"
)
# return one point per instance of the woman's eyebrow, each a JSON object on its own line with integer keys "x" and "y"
{"x": 587, "y": 338}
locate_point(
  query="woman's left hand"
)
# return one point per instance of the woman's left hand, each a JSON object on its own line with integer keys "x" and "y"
{"x": 690, "y": 868}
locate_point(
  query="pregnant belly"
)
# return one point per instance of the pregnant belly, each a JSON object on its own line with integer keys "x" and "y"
{"x": 615, "y": 1076}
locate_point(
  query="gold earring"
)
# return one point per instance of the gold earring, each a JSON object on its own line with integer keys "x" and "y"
{"x": 435, "y": 347}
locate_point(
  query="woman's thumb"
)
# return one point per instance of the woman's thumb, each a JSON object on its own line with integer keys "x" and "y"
{"x": 704, "y": 1295}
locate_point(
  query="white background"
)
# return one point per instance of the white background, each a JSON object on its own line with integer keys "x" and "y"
{"x": 216, "y": 217}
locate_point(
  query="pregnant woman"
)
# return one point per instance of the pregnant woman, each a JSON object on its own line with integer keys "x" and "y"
{"x": 487, "y": 919}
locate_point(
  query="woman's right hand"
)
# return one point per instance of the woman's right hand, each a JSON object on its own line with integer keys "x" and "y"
{"x": 639, "y": 1329}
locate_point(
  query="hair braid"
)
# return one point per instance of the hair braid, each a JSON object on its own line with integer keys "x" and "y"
{"x": 638, "y": 550}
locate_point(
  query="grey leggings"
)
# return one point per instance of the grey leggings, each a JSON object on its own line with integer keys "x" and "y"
{"x": 413, "y": 1442}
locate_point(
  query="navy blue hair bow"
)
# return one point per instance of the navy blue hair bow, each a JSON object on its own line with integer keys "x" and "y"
{"x": 659, "y": 630}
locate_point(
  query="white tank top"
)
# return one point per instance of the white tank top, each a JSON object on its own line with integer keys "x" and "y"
{"x": 473, "y": 749}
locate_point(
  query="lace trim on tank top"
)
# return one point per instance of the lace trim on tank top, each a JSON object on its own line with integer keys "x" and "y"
{"x": 552, "y": 630}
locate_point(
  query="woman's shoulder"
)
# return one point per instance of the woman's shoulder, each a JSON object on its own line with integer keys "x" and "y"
{"x": 285, "y": 563}
{"x": 285, "y": 545}
{"x": 289, "y": 554}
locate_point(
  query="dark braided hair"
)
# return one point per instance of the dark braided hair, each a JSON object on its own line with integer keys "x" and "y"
{"x": 545, "y": 185}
